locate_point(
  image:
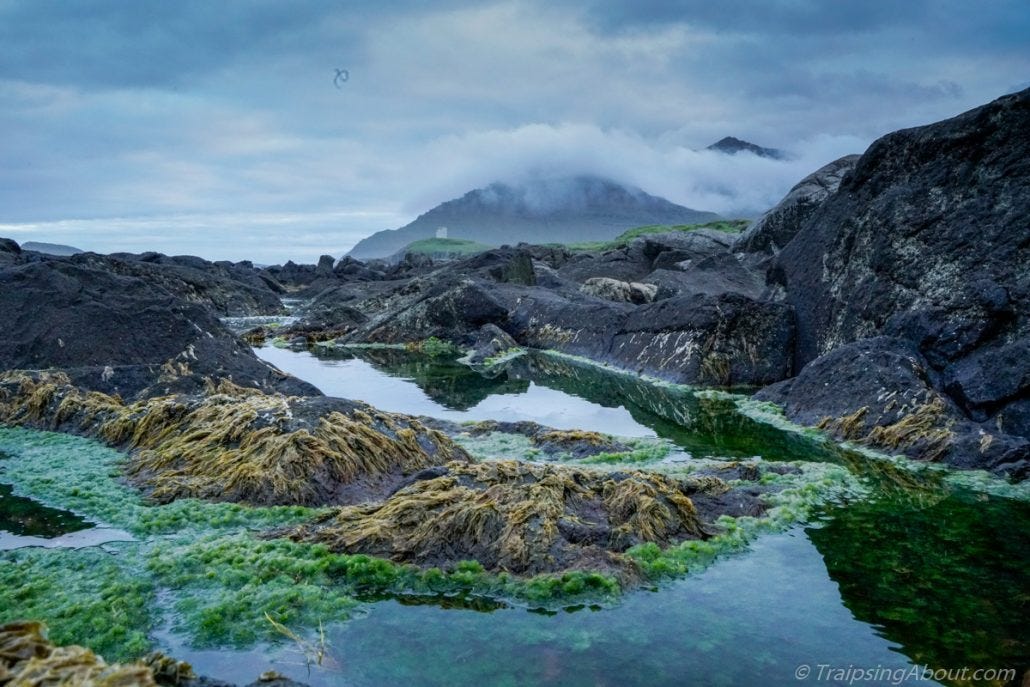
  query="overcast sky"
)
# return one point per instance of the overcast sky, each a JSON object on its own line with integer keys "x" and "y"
{"x": 215, "y": 128}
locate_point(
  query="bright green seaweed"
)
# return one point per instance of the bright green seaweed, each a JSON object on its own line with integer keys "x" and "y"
{"x": 206, "y": 568}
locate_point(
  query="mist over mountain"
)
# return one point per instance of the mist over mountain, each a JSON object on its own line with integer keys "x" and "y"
{"x": 732, "y": 146}
{"x": 564, "y": 209}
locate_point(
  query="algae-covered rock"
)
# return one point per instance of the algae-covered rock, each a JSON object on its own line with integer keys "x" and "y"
{"x": 236, "y": 444}
{"x": 522, "y": 518}
{"x": 28, "y": 659}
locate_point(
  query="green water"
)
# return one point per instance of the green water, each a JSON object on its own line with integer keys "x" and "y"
{"x": 924, "y": 568}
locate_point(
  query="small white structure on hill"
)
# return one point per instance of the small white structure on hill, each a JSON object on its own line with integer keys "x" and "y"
{"x": 441, "y": 232}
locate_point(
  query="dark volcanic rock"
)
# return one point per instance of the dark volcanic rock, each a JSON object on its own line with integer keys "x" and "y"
{"x": 451, "y": 311}
{"x": 119, "y": 333}
{"x": 227, "y": 289}
{"x": 990, "y": 378}
{"x": 883, "y": 392}
{"x": 926, "y": 238}
{"x": 490, "y": 342}
{"x": 725, "y": 340}
{"x": 773, "y": 230}
{"x": 718, "y": 340}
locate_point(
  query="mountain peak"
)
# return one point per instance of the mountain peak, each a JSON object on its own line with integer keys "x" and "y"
{"x": 537, "y": 210}
{"x": 731, "y": 146}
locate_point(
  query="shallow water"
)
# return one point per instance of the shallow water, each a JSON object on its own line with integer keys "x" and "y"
{"x": 403, "y": 382}
{"x": 921, "y": 572}
{"x": 25, "y": 522}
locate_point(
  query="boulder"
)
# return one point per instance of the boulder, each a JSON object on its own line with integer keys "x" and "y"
{"x": 324, "y": 268}
{"x": 619, "y": 291}
{"x": 773, "y": 230}
{"x": 491, "y": 341}
{"x": 725, "y": 340}
{"x": 926, "y": 238}
{"x": 449, "y": 310}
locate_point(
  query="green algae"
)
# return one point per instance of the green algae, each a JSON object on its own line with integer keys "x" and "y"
{"x": 641, "y": 451}
{"x": 798, "y": 497}
{"x": 435, "y": 348}
{"x": 499, "y": 446}
{"x": 87, "y": 596}
{"x": 206, "y": 570}
{"x": 202, "y": 566}
{"x": 83, "y": 476}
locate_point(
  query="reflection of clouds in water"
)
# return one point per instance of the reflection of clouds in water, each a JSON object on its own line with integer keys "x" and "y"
{"x": 560, "y": 410}
{"x": 359, "y": 380}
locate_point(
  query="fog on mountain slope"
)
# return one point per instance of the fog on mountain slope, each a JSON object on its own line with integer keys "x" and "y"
{"x": 567, "y": 209}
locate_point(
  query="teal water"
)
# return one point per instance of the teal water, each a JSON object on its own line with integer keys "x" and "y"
{"x": 922, "y": 573}
{"x": 925, "y": 571}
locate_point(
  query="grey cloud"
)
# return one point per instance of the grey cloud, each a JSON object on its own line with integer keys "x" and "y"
{"x": 208, "y": 122}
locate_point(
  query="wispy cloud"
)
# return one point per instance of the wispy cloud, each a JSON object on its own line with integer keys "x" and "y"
{"x": 206, "y": 117}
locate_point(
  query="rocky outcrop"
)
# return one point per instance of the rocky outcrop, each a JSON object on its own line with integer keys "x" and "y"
{"x": 226, "y": 289}
{"x": 773, "y": 230}
{"x": 119, "y": 330}
{"x": 926, "y": 240}
{"x": 702, "y": 324}
{"x": 883, "y": 393}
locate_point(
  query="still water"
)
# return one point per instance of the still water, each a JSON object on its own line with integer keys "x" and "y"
{"x": 924, "y": 572}
{"x": 921, "y": 574}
